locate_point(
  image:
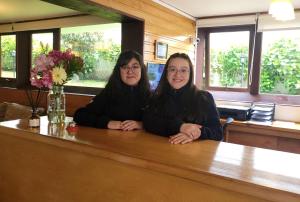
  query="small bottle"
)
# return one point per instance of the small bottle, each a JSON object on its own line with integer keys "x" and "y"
{"x": 34, "y": 120}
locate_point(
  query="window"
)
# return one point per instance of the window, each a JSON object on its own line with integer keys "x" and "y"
{"x": 41, "y": 43}
{"x": 227, "y": 58}
{"x": 99, "y": 46}
{"x": 280, "y": 62}
{"x": 273, "y": 76}
{"x": 8, "y": 56}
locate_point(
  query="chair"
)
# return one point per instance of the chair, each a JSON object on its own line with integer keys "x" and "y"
{"x": 228, "y": 121}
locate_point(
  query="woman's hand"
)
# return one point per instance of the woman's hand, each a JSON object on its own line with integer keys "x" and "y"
{"x": 191, "y": 129}
{"x": 131, "y": 125}
{"x": 116, "y": 125}
{"x": 180, "y": 138}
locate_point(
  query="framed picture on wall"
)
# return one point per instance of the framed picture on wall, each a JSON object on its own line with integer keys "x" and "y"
{"x": 161, "y": 50}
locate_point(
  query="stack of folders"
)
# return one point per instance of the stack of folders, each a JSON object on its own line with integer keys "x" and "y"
{"x": 262, "y": 112}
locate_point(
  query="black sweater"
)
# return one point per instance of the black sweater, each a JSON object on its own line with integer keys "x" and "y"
{"x": 105, "y": 107}
{"x": 183, "y": 106}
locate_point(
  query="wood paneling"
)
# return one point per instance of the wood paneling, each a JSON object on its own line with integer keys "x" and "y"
{"x": 252, "y": 139}
{"x": 278, "y": 136}
{"x": 160, "y": 24}
{"x": 73, "y": 101}
{"x": 289, "y": 145}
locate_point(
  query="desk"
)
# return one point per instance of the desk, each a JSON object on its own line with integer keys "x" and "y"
{"x": 280, "y": 135}
{"x": 108, "y": 165}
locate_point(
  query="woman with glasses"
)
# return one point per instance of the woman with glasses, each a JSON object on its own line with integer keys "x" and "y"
{"x": 179, "y": 110}
{"x": 120, "y": 104}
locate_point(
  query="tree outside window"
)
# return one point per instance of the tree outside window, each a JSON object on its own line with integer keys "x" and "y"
{"x": 42, "y": 43}
{"x": 99, "y": 46}
{"x": 280, "y": 66}
{"x": 8, "y": 56}
{"x": 229, "y": 59}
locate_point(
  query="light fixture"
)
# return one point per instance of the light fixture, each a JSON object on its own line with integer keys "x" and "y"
{"x": 282, "y": 10}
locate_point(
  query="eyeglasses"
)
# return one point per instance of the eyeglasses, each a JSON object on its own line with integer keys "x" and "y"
{"x": 133, "y": 68}
{"x": 173, "y": 70}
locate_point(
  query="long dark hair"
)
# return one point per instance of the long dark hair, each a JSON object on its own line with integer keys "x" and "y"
{"x": 115, "y": 84}
{"x": 190, "y": 97}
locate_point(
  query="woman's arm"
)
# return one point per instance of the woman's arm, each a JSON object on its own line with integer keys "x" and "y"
{"x": 93, "y": 114}
{"x": 155, "y": 122}
{"x": 211, "y": 128}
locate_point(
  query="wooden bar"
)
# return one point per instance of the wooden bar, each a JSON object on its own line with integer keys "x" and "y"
{"x": 50, "y": 164}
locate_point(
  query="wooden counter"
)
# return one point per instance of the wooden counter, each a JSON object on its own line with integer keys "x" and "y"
{"x": 108, "y": 165}
{"x": 280, "y": 135}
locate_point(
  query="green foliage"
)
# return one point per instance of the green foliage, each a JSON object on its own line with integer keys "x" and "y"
{"x": 8, "y": 53}
{"x": 281, "y": 66}
{"x": 84, "y": 45}
{"x": 98, "y": 55}
{"x": 231, "y": 66}
{"x": 42, "y": 49}
{"x": 152, "y": 76}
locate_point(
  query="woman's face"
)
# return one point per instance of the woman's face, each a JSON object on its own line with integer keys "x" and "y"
{"x": 131, "y": 73}
{"x": 178, "y": 72}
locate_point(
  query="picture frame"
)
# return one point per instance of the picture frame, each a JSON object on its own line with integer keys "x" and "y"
{"x": 161, "y": 50}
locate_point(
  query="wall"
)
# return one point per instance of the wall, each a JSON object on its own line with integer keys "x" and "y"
{"x": 160, "y": 24}
{"x": 73, "y": 101}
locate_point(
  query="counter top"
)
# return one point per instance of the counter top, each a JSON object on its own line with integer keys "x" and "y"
{"x": 267, "y": 174}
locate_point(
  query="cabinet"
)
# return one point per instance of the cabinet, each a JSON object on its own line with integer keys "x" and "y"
{"x": 282, "y": 136}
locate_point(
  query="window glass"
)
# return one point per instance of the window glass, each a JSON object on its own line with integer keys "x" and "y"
{"x": 229, "y": 59}
{"x": 99, "y": 46}
{"x": 8, "y": 56}
{"x": 42, "y": 43}
{"x": 280, "y": 63}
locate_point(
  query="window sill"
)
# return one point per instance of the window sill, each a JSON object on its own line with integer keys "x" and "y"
{"x": 247, "y": 97}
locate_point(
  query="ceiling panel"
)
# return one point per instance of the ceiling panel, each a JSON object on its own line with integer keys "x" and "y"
{"x": 205, "y": 8}
{"x": 23, "y": 10}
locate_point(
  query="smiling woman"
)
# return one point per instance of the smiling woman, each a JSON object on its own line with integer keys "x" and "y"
{"x": 179, "y": 110}
{"x": 120, "y": 105}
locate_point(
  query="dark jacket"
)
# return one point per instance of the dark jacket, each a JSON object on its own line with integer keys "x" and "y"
{"x": 165, "y": 115}
{"x": 128, "y": 105}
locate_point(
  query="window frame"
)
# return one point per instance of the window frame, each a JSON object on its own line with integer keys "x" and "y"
{"x": 24, "y": 45}
{"x": 56, "y": 46}
{"x": 252, "y": 94}
{"x": 208, "y": 31}
{"x": 261, "y": 47}
{"x": 10, "y": 82}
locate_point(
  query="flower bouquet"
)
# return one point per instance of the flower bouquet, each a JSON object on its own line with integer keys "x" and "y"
{"x": 52, "y": 71}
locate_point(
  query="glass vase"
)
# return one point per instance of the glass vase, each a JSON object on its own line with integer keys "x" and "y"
{"x": 56, "y": 104}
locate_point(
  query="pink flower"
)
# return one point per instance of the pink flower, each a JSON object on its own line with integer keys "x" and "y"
{"x": 41, "y": 75}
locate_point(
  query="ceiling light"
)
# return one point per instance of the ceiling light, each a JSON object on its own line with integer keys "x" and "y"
{"x": 282, "y": 10}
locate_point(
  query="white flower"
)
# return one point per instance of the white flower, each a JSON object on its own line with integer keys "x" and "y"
{"x": 59, "y": 75}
